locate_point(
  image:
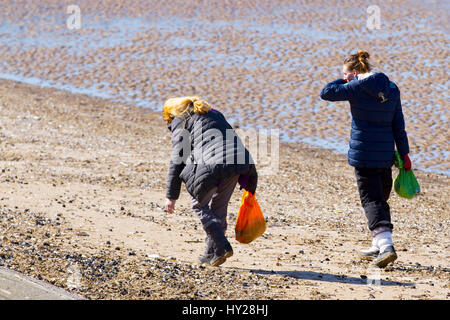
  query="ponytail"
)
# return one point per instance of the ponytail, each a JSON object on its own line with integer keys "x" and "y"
{"x": 358, "y": 62}
{"x": 363, "y": 56}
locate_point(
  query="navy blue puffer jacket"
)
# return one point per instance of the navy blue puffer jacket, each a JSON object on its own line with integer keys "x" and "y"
{"x": 377, "y": 119}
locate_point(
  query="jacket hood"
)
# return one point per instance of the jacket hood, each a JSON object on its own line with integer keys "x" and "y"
{"x": 379, "y": 87}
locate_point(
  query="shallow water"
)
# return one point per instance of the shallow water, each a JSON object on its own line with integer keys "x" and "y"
{"x": 264, "y": 65}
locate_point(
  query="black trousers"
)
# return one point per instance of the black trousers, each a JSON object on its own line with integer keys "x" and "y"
{"x": 375, "y": 185}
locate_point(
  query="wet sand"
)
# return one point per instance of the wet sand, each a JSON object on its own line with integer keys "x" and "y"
{"x": 82, "y": 187}
{"x": 263, "y": 63}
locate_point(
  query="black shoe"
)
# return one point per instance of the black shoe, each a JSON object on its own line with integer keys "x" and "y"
{"x": 217, "y": 260}
{"x": 220, "y": 256}
{"x": 386, "y": 257}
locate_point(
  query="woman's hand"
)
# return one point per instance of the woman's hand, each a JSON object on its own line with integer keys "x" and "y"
{"x": 170, "y": 205}
{"x": 407, "y": 162}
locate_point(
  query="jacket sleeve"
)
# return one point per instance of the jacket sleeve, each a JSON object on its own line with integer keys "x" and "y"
{"x": 180, "y": 145}
{"x": 398, "y": 127}
{"x": 338, "y": 90}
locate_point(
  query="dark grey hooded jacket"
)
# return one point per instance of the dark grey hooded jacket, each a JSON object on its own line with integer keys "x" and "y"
{"x": 205, "y": 151}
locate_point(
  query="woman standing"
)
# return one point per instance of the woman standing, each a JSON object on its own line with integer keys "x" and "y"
{"x": 377, "y": 127}
{"x": 210, "y": 158}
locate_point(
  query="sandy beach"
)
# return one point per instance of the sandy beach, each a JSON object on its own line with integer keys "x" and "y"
{"x": 263, "y": 63}
{"x": 82, "y": 187}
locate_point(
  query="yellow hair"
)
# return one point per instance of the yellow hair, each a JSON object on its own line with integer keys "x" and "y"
{"x": 174, "y": 107}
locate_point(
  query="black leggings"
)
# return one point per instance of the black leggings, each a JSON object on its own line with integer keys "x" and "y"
{"x": 375, "y": 185}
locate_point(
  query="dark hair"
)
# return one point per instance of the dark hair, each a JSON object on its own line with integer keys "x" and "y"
{"x": 358, "y": 62}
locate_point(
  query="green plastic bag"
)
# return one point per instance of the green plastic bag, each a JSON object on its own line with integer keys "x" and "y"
{"x": 405, "y": 184}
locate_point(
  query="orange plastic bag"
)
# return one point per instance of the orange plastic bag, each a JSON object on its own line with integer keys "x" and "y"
{"x": 250, "y": 223}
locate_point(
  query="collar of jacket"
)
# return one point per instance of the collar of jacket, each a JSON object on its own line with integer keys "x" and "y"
{"x": 364, "y": 75}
